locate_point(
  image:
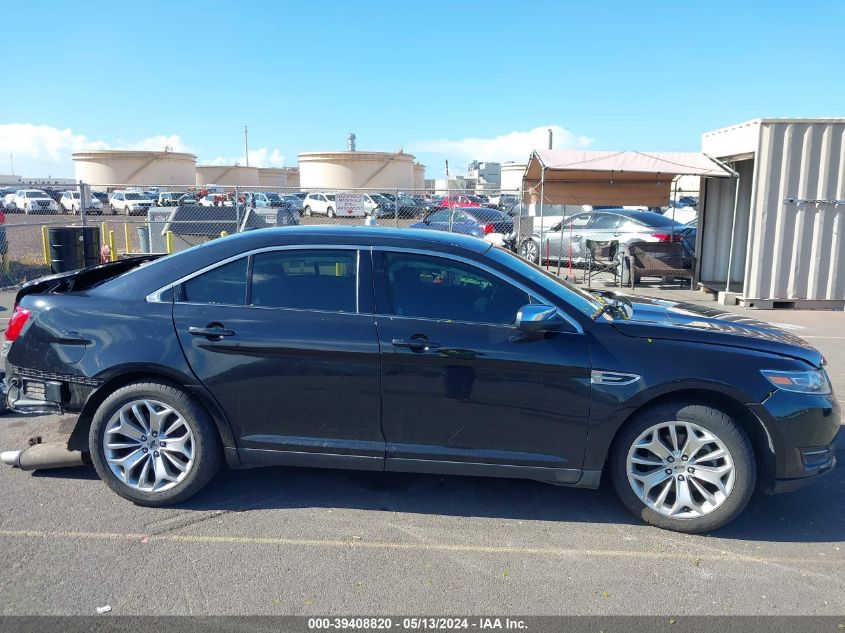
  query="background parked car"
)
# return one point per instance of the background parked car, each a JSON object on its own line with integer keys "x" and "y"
{"x": 102, "y": 196}
{"x": 460, "y": 200}
{"x": 567, "y": 240}
{"x": 321, "y": 204}
{"x": 34, "y": 201}
{"x": 488, "y": 224}
{"x": 169, "y": 198}
{"x": 69, "y": 201}
{"x": 129, "y": 202}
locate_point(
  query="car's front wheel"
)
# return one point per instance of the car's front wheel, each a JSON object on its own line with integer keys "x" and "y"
{"x": 154, "y": 444}
{"x": 307, "y": 212}
{"x": 684, "y": 467}
{"x": 530, "y": 250}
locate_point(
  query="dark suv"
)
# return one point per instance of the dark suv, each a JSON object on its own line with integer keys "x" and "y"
{"x": 414, "y": 351}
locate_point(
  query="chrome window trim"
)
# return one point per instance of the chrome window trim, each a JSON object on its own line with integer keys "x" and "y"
{"x": 155, "y": 296}
{"x": 419, "y": 251}
{"x": 612, "y": 378}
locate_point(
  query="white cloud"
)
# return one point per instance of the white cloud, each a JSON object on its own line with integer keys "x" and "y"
{"x": 515, "y": 146}
{"x": 261, "y": 157}
{"x": 41, "y": 150}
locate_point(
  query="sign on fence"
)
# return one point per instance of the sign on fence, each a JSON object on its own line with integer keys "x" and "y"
{"x": 350, "y": 204}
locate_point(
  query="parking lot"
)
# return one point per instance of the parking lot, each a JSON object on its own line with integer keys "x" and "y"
{"x": 289, "y": 541}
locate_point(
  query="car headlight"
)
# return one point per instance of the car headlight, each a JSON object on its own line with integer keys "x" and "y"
{"x": 814, "y": 381}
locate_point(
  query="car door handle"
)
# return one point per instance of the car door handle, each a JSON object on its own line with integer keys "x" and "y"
{"x": 211, "y": 331}
{"x": 416, "y": 344}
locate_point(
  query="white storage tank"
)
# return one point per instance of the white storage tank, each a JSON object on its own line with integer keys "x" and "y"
{"x": 227, "y": 175}
{"x": 101, "y": 168}
{"x": 419, "y": 176}
{"x": 353, "y": 169}
{"x": 272, "y": 177}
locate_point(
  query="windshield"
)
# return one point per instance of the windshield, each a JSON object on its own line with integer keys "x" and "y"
{"x": 330, "y": 196}
{"x": 656, "y": 220}
{"x": 36, "y": 194}
{"x": 582, "y": 301}
{"x": 135, "y": 196}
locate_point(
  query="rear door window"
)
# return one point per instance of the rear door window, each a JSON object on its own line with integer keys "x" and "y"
{"x": 225, "y": 285}
{"x": 306, "y": 279}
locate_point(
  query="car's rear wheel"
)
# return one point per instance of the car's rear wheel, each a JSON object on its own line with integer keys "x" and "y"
{"x": 530, "y": 250}
{"x": 684, "y": 467}
{"x": 329, "y": 212}
{"x": 154, "y": 444}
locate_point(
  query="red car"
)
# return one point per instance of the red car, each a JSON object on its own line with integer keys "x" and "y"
{"x": 460, "y": 200}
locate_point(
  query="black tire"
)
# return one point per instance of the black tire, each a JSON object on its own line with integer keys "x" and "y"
{"x": 127, "y": 211}
{"x": 716, "y": 422}
{"x": 207, "y": 446}
{"x": 307, "y": 212}
{"x": 329, "y": 212}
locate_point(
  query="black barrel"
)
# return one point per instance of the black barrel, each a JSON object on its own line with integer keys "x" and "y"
{"x": 73, "y": 247}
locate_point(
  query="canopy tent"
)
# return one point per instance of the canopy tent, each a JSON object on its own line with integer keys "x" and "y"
{"x": 611, "y": 178}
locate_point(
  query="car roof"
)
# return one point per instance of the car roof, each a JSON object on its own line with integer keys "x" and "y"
{"x": 150, "y": 277}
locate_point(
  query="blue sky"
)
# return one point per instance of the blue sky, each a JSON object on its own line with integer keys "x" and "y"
{"x": 437, "y": 79}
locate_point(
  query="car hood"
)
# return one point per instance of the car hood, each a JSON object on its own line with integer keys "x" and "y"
{"x": 662, "y": 319}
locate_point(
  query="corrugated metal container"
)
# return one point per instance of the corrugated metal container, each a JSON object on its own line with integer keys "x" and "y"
{"x": 790, "y": 232}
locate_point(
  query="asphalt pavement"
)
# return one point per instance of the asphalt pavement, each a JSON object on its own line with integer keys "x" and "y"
{"x": 307, "y": 541}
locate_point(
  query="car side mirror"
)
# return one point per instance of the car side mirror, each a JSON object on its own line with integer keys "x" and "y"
{"x": 536, "y": 317}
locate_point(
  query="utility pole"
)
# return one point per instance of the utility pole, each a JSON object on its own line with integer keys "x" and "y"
{"x": 550, "y": 138}
{"x": 12, "y": 159}
{"x": 246, "y": 146}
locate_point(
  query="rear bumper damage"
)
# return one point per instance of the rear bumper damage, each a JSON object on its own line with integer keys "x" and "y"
{"x": 29, "y": 391}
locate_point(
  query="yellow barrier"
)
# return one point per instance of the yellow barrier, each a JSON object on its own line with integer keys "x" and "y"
{"x": 44, "y": 242}
{"x": 126, "y": 237}
{"x": 104, "y": 233}
{"x": 113, "y": 253}
{"x": 168, "y": 238}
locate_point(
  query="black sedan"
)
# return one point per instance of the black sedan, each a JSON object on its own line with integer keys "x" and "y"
{"x": 414, "y": 351}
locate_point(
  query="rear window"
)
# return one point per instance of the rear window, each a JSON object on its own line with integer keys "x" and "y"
{"x": 225, "y": 284}
{"x": 306, "y": 280}
{"x": 655, "y": 220}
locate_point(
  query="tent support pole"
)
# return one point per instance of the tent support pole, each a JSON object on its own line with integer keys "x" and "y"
{"x": 733, "y": 232}
{"x": 542, "y": 199}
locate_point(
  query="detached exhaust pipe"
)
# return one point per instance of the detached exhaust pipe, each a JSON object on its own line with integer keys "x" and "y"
{"x": 45, "y": 457}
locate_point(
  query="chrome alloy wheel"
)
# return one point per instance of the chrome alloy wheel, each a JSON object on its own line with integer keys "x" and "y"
{"x": 680, "y": 470}
{"x": 530, "y": 251}
{"x": 149, "y": 446}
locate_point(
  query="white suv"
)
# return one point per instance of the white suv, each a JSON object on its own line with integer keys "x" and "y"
{"x": 70, "y": 203}
{"x": 129, "y": 202}
{"x": 322, "y": 203}
{"x": 34, "y": 201}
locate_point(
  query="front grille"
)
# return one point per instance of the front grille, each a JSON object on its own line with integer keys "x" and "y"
{"x": 818, "y": 457}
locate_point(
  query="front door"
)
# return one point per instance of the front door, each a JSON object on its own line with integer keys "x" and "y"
{"x": 286, "y": 342}
{"x": 460, "y": 384}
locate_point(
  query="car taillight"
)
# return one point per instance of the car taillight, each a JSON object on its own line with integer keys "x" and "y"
{"x": 488, "y": 228}
{"x": 19, "y": 318}
{"x": 2, "y": 218}
{"x": 666, "y": 237}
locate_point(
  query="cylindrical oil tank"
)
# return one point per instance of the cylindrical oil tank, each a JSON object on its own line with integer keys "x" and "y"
{"x": 349, "y": 170}
{"x": 102, "y": 168}
{"x": 272, "y": 177}
{"x": 419, "y": 176}
{"x": 73, "y": 247}
{"x": 227, "y": 176}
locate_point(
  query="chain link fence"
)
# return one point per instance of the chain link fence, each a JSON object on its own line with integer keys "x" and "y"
{"x": 137, "y": 219}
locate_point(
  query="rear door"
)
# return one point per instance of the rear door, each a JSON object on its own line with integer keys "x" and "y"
{"x": 285, "y": 340}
